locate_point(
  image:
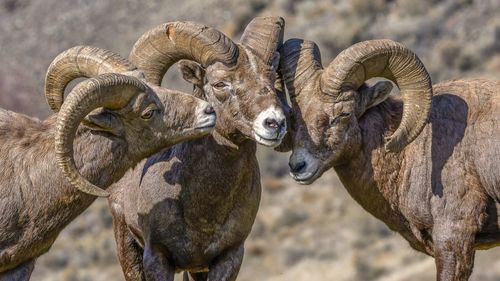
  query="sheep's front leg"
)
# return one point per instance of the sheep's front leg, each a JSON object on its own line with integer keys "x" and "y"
{"x": 227, "y": 266}
{"x": 156, "y": 265}
{"x": 128, "y": 250}
{"x": 20, "y": 273}
{"x": 129, "y": 254}
{"x": 453, "y": 251}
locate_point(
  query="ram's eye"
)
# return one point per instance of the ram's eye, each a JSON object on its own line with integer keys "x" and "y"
{"x": 149, "y": 112}
{"x": 219, "y": 85}
{"x": 342, "y": 116}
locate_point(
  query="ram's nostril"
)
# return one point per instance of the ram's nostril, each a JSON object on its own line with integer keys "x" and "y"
{"x": 271, "y": 123}
{"x": 209, "y": 110}
{"x": 297, "y": 167}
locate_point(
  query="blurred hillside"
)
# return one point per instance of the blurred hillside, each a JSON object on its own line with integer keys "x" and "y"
{"x": 301, "y": 233}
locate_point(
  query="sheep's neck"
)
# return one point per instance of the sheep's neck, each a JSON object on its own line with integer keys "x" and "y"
{"x": 371, "y": 176}
{"x": 227, "y": 134}
{"x": 48, "y": 203}
{"x": 216, "y": 151}
{"x": 212, "y": 169}
{"x": 100, "y": 159}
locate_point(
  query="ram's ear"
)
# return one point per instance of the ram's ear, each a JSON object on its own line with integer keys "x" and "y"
{"x": 103, "y": 120}
{"x": 370, "y": 96}
{"x": 192, "y": 72}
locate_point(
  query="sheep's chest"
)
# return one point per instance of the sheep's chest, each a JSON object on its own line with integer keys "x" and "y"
{"x": 197, "y": 227}
{"x": 194, "y": 241}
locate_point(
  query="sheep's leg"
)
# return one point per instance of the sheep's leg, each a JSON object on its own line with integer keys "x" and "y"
{"x": 156, "y": 265}
{"x": 20, "y": 273}
{"x": 453, "y": 251}
{"x": 128, "y": 250}
{"x": 227, "y": 266}
{"x": 129, "y": 255}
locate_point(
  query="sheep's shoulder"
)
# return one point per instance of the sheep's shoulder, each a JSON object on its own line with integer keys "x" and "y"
{"x": 467, "y": 101}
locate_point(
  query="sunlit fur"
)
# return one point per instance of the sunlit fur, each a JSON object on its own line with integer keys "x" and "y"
{"x": 37, "y": 201}
{"x": 441, "y": 192}
{"x": 191, "y": 207}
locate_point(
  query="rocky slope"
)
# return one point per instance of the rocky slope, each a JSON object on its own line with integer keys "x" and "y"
{"x": 301, "y": 233}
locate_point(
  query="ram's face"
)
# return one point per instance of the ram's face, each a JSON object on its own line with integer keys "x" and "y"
{"x": 323, "y": 131}
{"x": 243, "y": 96}
{"x": 154, "y": 119}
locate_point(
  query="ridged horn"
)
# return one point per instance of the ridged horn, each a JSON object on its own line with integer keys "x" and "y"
{"x": 159, "y": 48}
{"x": 391, "y": 60}
{"x": 300, "y": 61}
{"x": 111, "y": 91}
{"x": 263, "y": 36}
{"x": 80, "y": 61}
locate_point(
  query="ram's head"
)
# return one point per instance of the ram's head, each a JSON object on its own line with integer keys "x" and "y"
{"x": 240, "y": 85}
{"x": 120, "y": 104}
{"x": 328, "y": 103}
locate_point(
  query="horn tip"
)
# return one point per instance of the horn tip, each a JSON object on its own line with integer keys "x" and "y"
{"x": 392, "y": 146}
{"x": 95, "y": 191}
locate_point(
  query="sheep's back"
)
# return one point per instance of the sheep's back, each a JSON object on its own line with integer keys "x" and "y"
{"x": 466, "y": 113}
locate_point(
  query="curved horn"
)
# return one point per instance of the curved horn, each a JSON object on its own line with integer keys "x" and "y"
{"x": 300, "y": 60}
{"x": 112, "y": 91}
{"x": 81, "y": 61}
{"x": 168, "y": 43}
{"x": 263, "y": 36}
{"x": 391, "y": 60}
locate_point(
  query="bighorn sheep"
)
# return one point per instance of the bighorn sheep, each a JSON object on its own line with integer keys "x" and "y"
{"x": 131, "y": 119}
{"x": 191, "y": 207}
{"x": 437, "y": 179}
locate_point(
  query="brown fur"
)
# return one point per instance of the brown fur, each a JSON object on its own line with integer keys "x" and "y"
{"x": 442, "y": 192}
{"x": 191, "y": 207}
{"x": 37, "y": 201}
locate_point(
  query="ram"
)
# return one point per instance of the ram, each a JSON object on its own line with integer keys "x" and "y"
{"x": 129, "y": 120}
{"x": 191, "y": 207}
{"x": 436, "y": 177}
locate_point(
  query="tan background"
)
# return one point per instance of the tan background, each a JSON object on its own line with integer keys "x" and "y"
{"x": 301, "y": 233}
